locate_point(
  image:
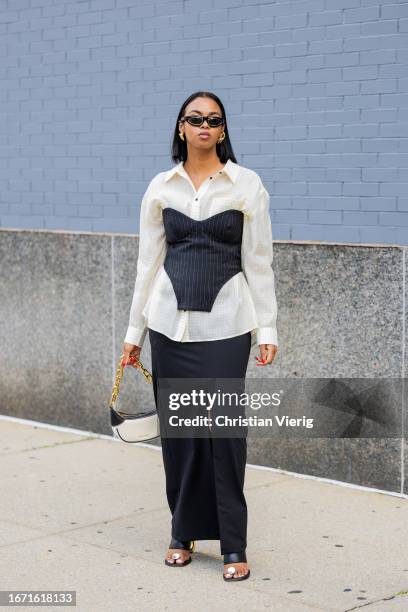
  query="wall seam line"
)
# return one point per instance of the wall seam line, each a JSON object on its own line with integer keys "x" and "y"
{"x": 403, "y": 374}
{"x": 113, "y": 305}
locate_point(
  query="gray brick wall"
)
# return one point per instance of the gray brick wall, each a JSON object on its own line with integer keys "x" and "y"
{"x": 316, "y": 92}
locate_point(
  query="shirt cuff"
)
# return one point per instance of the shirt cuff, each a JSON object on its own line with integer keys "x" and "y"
{"x": 267, "y": 335}
{"x": 135, "y": 336}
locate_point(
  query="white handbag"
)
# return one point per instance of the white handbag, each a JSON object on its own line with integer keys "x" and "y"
{"x": 127, "y": 427}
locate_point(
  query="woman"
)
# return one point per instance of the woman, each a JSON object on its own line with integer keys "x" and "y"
{"x": 205, "y": 292}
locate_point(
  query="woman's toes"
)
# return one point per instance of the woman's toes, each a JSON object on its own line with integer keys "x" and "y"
{"x": 170, "y": 556}
{"x": 183, "y": 557}
{"x": 239, "y": 571}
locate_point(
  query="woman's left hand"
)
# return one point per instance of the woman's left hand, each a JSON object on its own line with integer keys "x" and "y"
{"x": 267, "y": 354}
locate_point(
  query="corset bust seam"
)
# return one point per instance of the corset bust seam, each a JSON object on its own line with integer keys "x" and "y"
{"x": 207, "y": 218}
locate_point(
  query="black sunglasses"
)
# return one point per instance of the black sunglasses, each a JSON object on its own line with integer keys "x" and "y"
{"x": 198, "y": 120}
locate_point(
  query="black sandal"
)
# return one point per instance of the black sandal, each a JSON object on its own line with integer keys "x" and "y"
{"x": 239, "y": 557}
{"x": 187, "y": 545}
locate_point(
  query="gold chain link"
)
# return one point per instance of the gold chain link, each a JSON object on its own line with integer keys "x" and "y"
{"x": 119, "y": 376}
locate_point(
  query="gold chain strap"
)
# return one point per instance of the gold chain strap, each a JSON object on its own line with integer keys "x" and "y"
{"x": 119, "y": 376}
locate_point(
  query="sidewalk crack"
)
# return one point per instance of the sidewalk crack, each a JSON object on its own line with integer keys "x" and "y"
{"x": 376, "y": 601}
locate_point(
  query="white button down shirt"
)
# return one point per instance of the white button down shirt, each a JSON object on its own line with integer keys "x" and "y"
{"x": 247, "y": 301}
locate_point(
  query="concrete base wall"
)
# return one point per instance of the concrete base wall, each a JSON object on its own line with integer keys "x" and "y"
{"x": 65, "y": 299}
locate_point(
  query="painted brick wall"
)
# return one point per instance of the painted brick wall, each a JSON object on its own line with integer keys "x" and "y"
{"x": 316, "y": 93}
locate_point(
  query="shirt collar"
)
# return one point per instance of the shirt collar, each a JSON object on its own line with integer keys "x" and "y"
{"x": 231, "y": 169}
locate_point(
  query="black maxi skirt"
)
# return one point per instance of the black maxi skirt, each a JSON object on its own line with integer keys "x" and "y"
{"x": 204, "y": 476}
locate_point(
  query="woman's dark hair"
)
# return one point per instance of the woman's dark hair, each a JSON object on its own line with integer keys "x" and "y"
{"x": 179, "y": 147}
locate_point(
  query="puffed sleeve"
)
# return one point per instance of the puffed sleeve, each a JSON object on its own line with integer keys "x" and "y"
{"x": 152, "y": 251}
{"x": 257, "y": 257}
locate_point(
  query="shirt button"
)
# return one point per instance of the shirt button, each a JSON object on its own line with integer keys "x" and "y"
{"x": 196, "y": 199}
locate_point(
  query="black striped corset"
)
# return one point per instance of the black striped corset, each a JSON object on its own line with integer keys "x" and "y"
{"x": 201, "y": 255}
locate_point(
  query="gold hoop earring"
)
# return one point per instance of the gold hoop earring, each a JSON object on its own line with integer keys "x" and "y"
{"x": 221, "y": 138}
{"x": 181, "y": 135}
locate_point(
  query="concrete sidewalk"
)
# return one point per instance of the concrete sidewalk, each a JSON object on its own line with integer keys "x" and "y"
{"x": 89, "y": 514}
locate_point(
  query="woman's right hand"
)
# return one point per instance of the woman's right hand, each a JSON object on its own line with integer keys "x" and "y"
{"x": 130, "y": 350}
